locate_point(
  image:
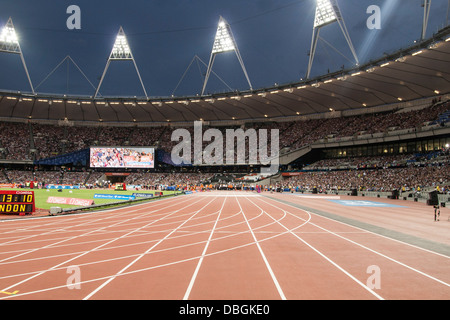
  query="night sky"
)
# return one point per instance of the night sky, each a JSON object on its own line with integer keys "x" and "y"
{"x": 273, "y": 36}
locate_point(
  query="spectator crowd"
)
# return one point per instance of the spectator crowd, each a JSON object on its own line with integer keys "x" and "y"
{"x": 33, "y": 141}
{"x": 39, "y": 141}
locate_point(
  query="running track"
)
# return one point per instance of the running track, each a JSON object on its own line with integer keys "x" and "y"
{"x": 221, "y": 246}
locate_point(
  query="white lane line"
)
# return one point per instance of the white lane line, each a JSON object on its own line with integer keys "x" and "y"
{"x": 274, "y": 278}
{"x": 143, "y": 254}
{"x": 374, "y": 251}
{"x": 320, "y": 253}
{"x": 64, "y": 262}
{"x": 128, "y": 227}
{"x": 157, "y": 266}
{"x": 132, "y": 244}
{"x": 228, "y": 235}
{"x": 62, "y": 229}
{"x": 50, "y": 232}
{"x": 68, "y": 217}
{"x": 194, "y": 276}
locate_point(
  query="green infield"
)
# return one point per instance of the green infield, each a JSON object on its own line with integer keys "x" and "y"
{"x": 41, "y": 196}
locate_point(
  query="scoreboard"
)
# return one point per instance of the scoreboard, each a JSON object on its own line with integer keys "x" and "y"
{"x": 16, "y": 202}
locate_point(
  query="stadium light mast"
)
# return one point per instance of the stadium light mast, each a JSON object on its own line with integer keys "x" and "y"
{"x": 120, "y": 52}
{"x": 426, "y": 15}
{"x": 328, "y": 12}
{"x": 224, "y": 42}
{"x": 9, "y": 43}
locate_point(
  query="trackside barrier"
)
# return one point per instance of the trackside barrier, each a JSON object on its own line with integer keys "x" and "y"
{"x": 57, "y": 210}
{"x": 423, "y": 196}
{"x": 442, "y": 199}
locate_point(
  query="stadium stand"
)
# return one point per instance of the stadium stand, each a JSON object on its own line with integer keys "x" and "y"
{"x": 52, "y": 140}
{"x": 52, "y": 147}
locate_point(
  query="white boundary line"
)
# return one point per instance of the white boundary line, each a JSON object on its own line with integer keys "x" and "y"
{"x": 318, "y": 252}
{"x": 194, "y": 276}
{"x": 138, "y": 215}
{"x": 272, "y": 275}
{"x": 158, "y": 266}
{"x": 184, "y": 260}
{"x": 368, "y": 231}
{"x": 143, "y": 254}
{"x": 62, "y": 263}
{"x": 231, "y": 234}
{"x": 63, "y": 229}
{"x": 369, "y": 249}
{"x": 142, "y": 233}
{"x": 72, "y": 217}
{"x": 73, "y": 226}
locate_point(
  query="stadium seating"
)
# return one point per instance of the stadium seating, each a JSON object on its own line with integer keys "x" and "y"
{"x": 54, "y": 146}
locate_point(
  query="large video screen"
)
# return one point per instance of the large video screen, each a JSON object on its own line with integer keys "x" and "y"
{"x": 122, "y": 157}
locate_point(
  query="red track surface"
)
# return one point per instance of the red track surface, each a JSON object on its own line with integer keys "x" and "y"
{"x": 225, "y": 246}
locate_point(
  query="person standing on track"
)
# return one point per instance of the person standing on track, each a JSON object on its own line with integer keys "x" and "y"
{"x": 437, "y": 213}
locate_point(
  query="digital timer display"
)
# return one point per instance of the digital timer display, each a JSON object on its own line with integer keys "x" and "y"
{"x": 16, "y": 202}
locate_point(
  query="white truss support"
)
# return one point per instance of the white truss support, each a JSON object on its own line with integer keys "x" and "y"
{"x": 224, "y": 41}
{"x": 208, "y": 71}
{"x": 312, "y": 52}
{"x": 196, "y": 58}
{"x": 9, "y": 43}
{"x": 66, "y": 59}
{"x": 328, "y": 12}
{"x": 448, "y": 11}
{"x": 426, "y": 16}
{"x": 121, "y": 51}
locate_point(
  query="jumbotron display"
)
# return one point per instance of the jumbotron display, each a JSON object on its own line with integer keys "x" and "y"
{"x": 122, "y": 157}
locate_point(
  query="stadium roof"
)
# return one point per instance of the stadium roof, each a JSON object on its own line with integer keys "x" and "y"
{"x": 418, "y": 72}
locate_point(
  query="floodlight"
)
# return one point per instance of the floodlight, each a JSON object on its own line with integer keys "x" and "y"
{"x": 224, "y": 42}
{"x": 121, "y": 51}
{"x": 9, "y": 43}
{"x": 426, "y": 15}
{"x": 325, "y": 13}
{"x": 8, "y": 39}
{"x": 8, "y": 36}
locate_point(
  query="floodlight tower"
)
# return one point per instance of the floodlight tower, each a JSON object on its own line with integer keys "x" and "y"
{"x": 328, "y": 12}
{"x": 9, "y": 43}
{"x": 224, "y": 42}
{"x": 120, "y": 52}
{"x": 426, "y": 15}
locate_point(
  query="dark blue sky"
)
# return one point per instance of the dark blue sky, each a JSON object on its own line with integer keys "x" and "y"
{"x": 273, "y": 36}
